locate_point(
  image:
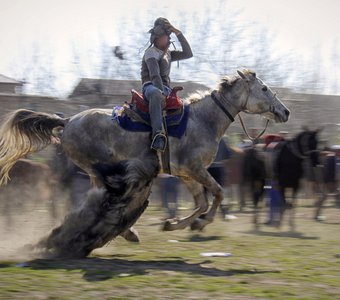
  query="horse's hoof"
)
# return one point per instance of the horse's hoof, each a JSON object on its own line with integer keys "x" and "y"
{"x": 197, "y": 225}
{"x": 167, "y": 225}
{"x": 131, "y": 235}
{"x": 320, "y": 218}
{"x": 202, "y": 216}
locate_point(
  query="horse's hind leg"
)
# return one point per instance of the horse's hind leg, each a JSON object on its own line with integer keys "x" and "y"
{"x": 201, "y": 204}
{"x": 322, "y": 196}
{"x": 283, "y": 203}
{"x": 292, "y": 223}
{"x": 257, "y": 187}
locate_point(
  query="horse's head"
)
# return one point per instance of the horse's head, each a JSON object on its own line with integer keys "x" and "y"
{"x": 260, "y": 99}
{"x": 307, "y": 144}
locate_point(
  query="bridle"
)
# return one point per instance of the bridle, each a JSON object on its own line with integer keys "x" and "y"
{"x": 228, "y": 114}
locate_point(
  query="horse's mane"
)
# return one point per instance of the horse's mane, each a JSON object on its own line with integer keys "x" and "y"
{"x": 224, "y": 85}
{"x": 298, "y": 136}
{"x": 227, "y": 82}
{"x": 196, "y": 96}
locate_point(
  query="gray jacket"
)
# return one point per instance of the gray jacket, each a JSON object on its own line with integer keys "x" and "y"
{"x": 156, "y": 63}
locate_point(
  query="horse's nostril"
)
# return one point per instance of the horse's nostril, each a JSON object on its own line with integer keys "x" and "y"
{"x": 287, "y": 113}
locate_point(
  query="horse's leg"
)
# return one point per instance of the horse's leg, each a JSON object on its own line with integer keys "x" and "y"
{"x": 282, "y": 205}
{"x": 202, "y": 176}
{"x": 292, "y": 210}
{"x": 324, "y": 189}
{"x": 242, "y": 194}
{"x": 201, "y": 204}
{"x": 130, "y": 235}
{"x": 257, "y": 191}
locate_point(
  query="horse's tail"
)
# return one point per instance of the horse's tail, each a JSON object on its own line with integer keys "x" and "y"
{"x": 22, "y": 132}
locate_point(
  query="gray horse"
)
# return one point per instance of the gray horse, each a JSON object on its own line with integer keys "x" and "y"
{"x": 92, "y": 137}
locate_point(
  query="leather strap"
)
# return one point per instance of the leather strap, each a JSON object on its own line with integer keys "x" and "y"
{"x": 219, "y": 104}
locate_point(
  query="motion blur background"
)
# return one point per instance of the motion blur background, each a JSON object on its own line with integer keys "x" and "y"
{"x": 89, "y": 53}
{"x": 293, "y": 44}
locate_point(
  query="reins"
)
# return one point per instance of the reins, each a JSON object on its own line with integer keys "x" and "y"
{"x": 246, "y": 132}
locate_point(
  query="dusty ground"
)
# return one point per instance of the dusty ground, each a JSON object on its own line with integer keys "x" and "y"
{"x": 266, "y": 264}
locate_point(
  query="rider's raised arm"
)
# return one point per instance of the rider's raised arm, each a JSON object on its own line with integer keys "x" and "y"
{"x": 186, "y": 49}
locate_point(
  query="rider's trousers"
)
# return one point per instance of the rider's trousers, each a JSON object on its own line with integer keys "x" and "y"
{"x": 156, "y": 101}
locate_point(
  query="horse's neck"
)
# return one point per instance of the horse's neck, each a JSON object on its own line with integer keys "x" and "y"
{"x": 294, "y": 147}
{"x": 209, "y": 114}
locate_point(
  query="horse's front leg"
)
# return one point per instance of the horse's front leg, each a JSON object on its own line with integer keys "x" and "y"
{"x": 131, "y": 235}
{"x": 202, "y": 176}
{"x": 201, "y": 205}
{"x": 292, "y": 223}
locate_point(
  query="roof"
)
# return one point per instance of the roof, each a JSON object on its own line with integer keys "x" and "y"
{"x": 5, "y": 79}
{"x": 88, "y": 86}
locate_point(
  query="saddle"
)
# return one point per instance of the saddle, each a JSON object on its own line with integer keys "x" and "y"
{"x": 134, "y": 115}
{"x": 173, "y": 102}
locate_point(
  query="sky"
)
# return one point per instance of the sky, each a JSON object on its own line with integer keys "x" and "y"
{"x": 53, "y": 28}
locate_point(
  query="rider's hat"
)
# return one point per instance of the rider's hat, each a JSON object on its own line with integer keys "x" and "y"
{"x": 160, "y": 28}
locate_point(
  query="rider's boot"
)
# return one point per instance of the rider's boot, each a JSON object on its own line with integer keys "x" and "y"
{"x": 159, "y": 142}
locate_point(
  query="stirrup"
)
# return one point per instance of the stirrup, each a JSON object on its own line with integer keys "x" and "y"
{"x": 159, "y": 137}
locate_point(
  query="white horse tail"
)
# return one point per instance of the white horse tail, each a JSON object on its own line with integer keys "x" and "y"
{"x": 22, "y": 132}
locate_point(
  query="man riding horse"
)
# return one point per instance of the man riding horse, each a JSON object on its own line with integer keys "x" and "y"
{"x": 155, "y": 73}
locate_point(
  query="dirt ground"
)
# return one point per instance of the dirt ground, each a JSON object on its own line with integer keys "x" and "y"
{"x": 268, "y": 263}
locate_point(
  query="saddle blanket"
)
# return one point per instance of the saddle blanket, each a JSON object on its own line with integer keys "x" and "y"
{"x": 176, "y": 124}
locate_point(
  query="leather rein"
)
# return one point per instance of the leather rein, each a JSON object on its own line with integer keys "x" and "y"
{"x": 227, "y": 113}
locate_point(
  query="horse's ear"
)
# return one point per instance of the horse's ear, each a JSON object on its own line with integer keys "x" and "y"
{"x": 319, "y": 129}
{"x": 304, "y": 128}
{"x": 247, "y": 74}
{"x": 241, "y": 74}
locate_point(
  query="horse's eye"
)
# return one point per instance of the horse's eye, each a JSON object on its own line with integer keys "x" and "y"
{"x": 264, "y": 88}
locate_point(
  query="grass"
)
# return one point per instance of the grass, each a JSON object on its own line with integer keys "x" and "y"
{"x": 265, "y": 264}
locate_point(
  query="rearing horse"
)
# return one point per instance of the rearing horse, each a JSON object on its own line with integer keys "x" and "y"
{"x": 92, "y": 137}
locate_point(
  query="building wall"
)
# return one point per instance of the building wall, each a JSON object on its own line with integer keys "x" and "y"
{"x": 7, "y": 87}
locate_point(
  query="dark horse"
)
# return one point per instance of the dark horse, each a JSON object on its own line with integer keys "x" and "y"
{"x": 288, "y": 167}
{"x": 254, "y": 175}
{"x": 284, "y": 166}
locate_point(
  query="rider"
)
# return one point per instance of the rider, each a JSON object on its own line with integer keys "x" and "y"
{"x": 155, "y": 73}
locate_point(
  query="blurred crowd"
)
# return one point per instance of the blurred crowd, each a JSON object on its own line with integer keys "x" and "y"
{"x": 61, "y": 181}
{"x": 230, "y": 168}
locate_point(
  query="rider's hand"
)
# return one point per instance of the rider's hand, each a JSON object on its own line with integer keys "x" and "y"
{"x": 171, "y": 27}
